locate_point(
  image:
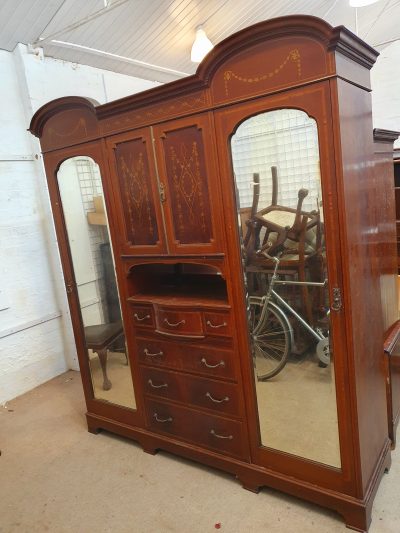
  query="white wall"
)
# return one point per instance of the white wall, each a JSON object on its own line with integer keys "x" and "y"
{"x": 36, "y": 341}
{"x": 385, "y": 78}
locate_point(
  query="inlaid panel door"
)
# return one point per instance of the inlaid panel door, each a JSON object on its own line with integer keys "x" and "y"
{"x": 186, "y": 160}
{"x": 136, "y": 192}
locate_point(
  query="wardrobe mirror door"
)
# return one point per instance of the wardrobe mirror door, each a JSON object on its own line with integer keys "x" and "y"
{"x": 85, "y": 217}
{"x": 277, "y": 172}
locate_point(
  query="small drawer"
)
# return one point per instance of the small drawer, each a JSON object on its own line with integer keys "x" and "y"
{"x": 158, "y": 353}
{"x": 163, "y": 383}
{"x": 143, "y": 316}
{"x": 208, "y": 361}
{"x": 218, "y": 396}
{"x": 179, "y": 322}
{"x": 217, "y": 324}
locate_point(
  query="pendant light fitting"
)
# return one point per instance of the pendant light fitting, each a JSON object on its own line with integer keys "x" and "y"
{"x": 201, "y": 46}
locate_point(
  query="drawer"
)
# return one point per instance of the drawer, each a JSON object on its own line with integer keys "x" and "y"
{"x": 158, "y": 353}
{"x": 169, "y": 419}
{"x": 213, "y": 432}
{"x": 143, "y": 316}
{"x": 220, "y": 434}
{"x": 217, "y": 324}
{"x": 208, "y": 361}
{"x": 163, "y": 384}
{"x": 217, "y": 396}
{"x": 179, "y": 322}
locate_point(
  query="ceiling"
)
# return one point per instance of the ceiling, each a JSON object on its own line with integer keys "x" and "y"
{"x": 152, "y": 39}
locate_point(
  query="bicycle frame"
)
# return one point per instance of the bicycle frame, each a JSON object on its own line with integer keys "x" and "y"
{"x": 272, "y": 293}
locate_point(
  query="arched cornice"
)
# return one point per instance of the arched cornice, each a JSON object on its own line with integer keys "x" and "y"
{"x": 291, "y": 26}
{"x": 332, "y": 39}
{"x": 54, "y": 107}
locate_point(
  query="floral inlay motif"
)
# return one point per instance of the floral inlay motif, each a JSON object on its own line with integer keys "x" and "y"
{"x": 188, "y": 188}
{"x": 294, "y": 56}
{"x": 137, "y": 198}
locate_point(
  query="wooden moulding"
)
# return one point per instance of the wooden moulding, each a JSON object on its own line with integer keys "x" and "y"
{"x": 197, "y": 92}
{"x": 385, "y": 136}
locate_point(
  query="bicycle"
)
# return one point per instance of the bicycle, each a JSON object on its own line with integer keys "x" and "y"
{"x": 271, "y": 331}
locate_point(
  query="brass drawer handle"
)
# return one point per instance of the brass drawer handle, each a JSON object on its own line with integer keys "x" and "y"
{"x": 204, "y": 361}
{"x": 146, "y": 352}
{"x": 150, "y": 382}
{"x": 141, "y": 318}
{"x": 226, "y": 399}
{"x": 162, "y": 420}
{"x": 216, "y": 326}
{"x": 229, "y": 437}
{"x": 172, "y": 325}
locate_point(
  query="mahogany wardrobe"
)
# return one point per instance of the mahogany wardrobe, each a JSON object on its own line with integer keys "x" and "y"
{"x": 220, "y": 247}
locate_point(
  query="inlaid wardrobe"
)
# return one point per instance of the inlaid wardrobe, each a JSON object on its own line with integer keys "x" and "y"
{"x": 238, "y": 208}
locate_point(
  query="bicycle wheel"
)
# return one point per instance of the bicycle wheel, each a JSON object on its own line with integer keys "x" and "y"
{"x": 271, "y": 335}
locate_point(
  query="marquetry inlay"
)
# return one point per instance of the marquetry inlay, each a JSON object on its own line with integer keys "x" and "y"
{"x": 293, "y": 56}
{"x": 79, "y": 127}
{"x": 136, "y": 193}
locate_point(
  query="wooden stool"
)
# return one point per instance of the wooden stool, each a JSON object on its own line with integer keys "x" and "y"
{"x": 97, "y": 339}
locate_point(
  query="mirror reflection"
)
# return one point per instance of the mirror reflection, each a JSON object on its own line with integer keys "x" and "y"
{"x": 85, "y": 217}
{"x": 277, "y": 173}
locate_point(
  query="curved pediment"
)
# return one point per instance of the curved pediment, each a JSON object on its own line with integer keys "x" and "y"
{"x": 267, "y": 57}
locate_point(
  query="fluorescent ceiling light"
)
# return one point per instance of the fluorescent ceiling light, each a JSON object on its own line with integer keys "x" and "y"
{"x": 201, "y": 46}
{"x": 361, "y": 3}
{"x": 116, "y": 56}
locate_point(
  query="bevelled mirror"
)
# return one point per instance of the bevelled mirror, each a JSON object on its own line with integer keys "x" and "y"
{"x": 276, "y": 166}
{"x": 83, "y": 206}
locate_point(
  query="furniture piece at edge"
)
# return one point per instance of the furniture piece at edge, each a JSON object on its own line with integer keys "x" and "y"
{"x": 392, "y": 362}
{"x": 396, "y": 164}
{"x": 387, "y": 255}
{"x": 164, "y": 223}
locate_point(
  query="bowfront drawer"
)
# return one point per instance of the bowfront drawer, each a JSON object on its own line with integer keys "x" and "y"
{"x": 143, "y": 316}
{"x": 217, "y": 396}
{"x": 213, "y": 432}
{"x": 163, "y": 383}
{"x": 208, "y": 361}
{"x": 158, "y": 353}
{"x": 217, "y": 324}
{"x": 179, "y": 322}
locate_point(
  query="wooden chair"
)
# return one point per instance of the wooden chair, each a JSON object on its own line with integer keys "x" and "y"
{"x": 98, "y": 338}
{"x": 292, "y": 232}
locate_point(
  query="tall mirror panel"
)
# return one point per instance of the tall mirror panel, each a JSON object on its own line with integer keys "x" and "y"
{"x": 85, "y": 217}
{"x": 280, "y": 215}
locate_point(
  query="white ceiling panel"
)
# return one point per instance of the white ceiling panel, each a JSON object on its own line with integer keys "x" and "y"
{"x": 161, "y": 32}
{"x": 22, "y": 20}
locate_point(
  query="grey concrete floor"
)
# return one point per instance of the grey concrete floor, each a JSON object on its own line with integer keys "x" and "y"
{"x": 56, "y": 477}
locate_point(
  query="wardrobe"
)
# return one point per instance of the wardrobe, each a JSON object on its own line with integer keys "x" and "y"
{"x": 240, "y": 204}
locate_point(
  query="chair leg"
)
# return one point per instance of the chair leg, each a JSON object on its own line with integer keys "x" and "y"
{"x": 103, "y": 363}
